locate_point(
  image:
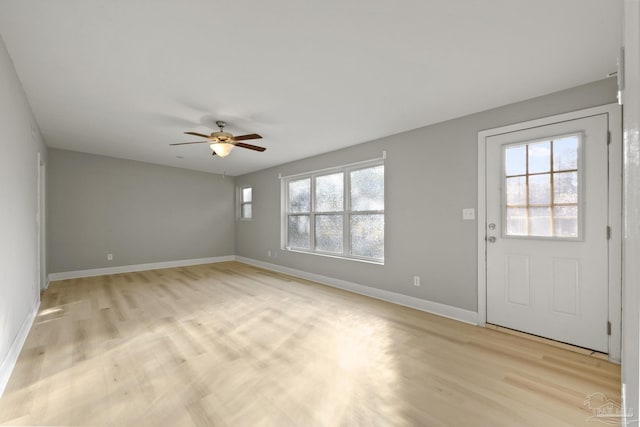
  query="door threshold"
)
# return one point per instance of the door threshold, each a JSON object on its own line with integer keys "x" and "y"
{"x": 548, "y": 341}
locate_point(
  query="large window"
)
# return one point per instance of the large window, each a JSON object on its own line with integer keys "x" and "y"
{"x": 339, "y": 212}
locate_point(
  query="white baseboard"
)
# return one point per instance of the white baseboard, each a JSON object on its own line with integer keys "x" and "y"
{"x": 419, "y": 304}
{"x": 9, "y": 362}
{"x": 136, "y": 267}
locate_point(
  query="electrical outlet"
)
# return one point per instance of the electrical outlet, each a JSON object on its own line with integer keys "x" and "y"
{"x": 109, "y": 257}
{"x": 269, "y": 253}
{"x": 416, "y": 280}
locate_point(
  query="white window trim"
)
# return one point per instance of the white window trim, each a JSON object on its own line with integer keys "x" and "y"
{"x": 346, "y": 170}
{"x": 241, "y": 203}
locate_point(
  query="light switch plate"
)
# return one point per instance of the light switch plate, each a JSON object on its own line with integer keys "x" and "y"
{"x": 468, "y": 214}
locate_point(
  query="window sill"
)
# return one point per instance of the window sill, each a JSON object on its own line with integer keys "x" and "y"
{"x": 326, "y": 255}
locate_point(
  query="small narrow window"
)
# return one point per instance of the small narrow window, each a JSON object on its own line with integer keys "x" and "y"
{"x": 245, "y": 203}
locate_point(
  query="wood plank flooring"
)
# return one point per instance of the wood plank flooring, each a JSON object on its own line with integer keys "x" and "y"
{"x": 232, "y": 345}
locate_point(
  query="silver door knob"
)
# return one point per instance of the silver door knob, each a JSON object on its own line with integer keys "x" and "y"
{"x": 491, "y": 239}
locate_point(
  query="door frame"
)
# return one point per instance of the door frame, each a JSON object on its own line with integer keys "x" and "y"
{"x": 43, "y": 283}
{"x": 614, "y": 212}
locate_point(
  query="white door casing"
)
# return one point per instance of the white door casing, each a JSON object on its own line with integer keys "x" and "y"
{"x": 42, "y": 224}
{"x": 563, "y": 289}
{"x": 39, "y": 222}
{"x": 555, "y": 287}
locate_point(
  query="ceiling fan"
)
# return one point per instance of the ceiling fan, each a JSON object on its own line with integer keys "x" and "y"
{"x": 223, "y": 142}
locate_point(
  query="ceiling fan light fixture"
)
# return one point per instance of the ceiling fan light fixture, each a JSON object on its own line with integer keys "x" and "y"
{"x": 222, "y": 142}
{"x": 222, "y": 149}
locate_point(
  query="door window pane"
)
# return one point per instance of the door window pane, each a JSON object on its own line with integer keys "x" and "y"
{"x": 565, "y": 187}
{"x": 330, "y": 193}
{"x": 329, "y": 232}
{"x": 516, "y": 160}
{"x": 540, "y": 222}
{"x": 300, "y": 196}
{"x": 517, "y": 191}
{"x": 565, "y": 221}
{"x": 539, "y": 157}
{"x": 565, "y": 153}
{"x": 540, "y": 189}
{"x": 541, "y": 193}
{"x": 516, "y": 221}
{"x": 367, "y": 235}
{"x": 367, "y": 189}
{"x": 298, "y": 232}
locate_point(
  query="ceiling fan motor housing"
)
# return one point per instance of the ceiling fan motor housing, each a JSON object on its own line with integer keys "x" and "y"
{"x": 221, "y": 136}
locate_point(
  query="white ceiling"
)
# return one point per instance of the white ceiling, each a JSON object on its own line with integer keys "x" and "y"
{"x": 126, "y": 78}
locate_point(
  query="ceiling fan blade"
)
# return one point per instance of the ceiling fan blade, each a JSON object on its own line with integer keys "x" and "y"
{"x": 198, "y": 134}
{"x": 197, "y": 142}
{"x": 249, "y": 146}
{"x": 245, "y": 137}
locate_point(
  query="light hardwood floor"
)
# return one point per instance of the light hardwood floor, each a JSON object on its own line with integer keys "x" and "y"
{"x": 232, "y": 345}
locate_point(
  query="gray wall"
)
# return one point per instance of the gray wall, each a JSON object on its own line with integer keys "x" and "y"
{"x": 19, "y": 287}
{"x": 631, "y": 213}
{"x": 431, "y": 174}
{"x": 139, "y": 212}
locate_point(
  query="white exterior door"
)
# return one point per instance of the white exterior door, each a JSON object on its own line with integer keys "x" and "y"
{"x": 546, "y": 220}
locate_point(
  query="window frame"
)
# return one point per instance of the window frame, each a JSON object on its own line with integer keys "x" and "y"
{"x": 242, "y": 203}
{"x": 346, "y": 212}
{"x": 581, "y": 189}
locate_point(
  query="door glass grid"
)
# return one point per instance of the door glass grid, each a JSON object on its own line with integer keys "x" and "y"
{"x": 541, "y": 193}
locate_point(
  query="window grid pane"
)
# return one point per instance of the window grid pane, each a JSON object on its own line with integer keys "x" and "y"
{"x": 367, "y": 235}
{"x": 246, "y": 210}
{"x": 367, "y": 189}
{"x": 300, "y": 195}
{"x": 298, "y": 232}
{"x": 330, "y": 193}
{"x": 541, "y": 188}
{"x": 329, "y": 233}
{"x": 246, "y": 195}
